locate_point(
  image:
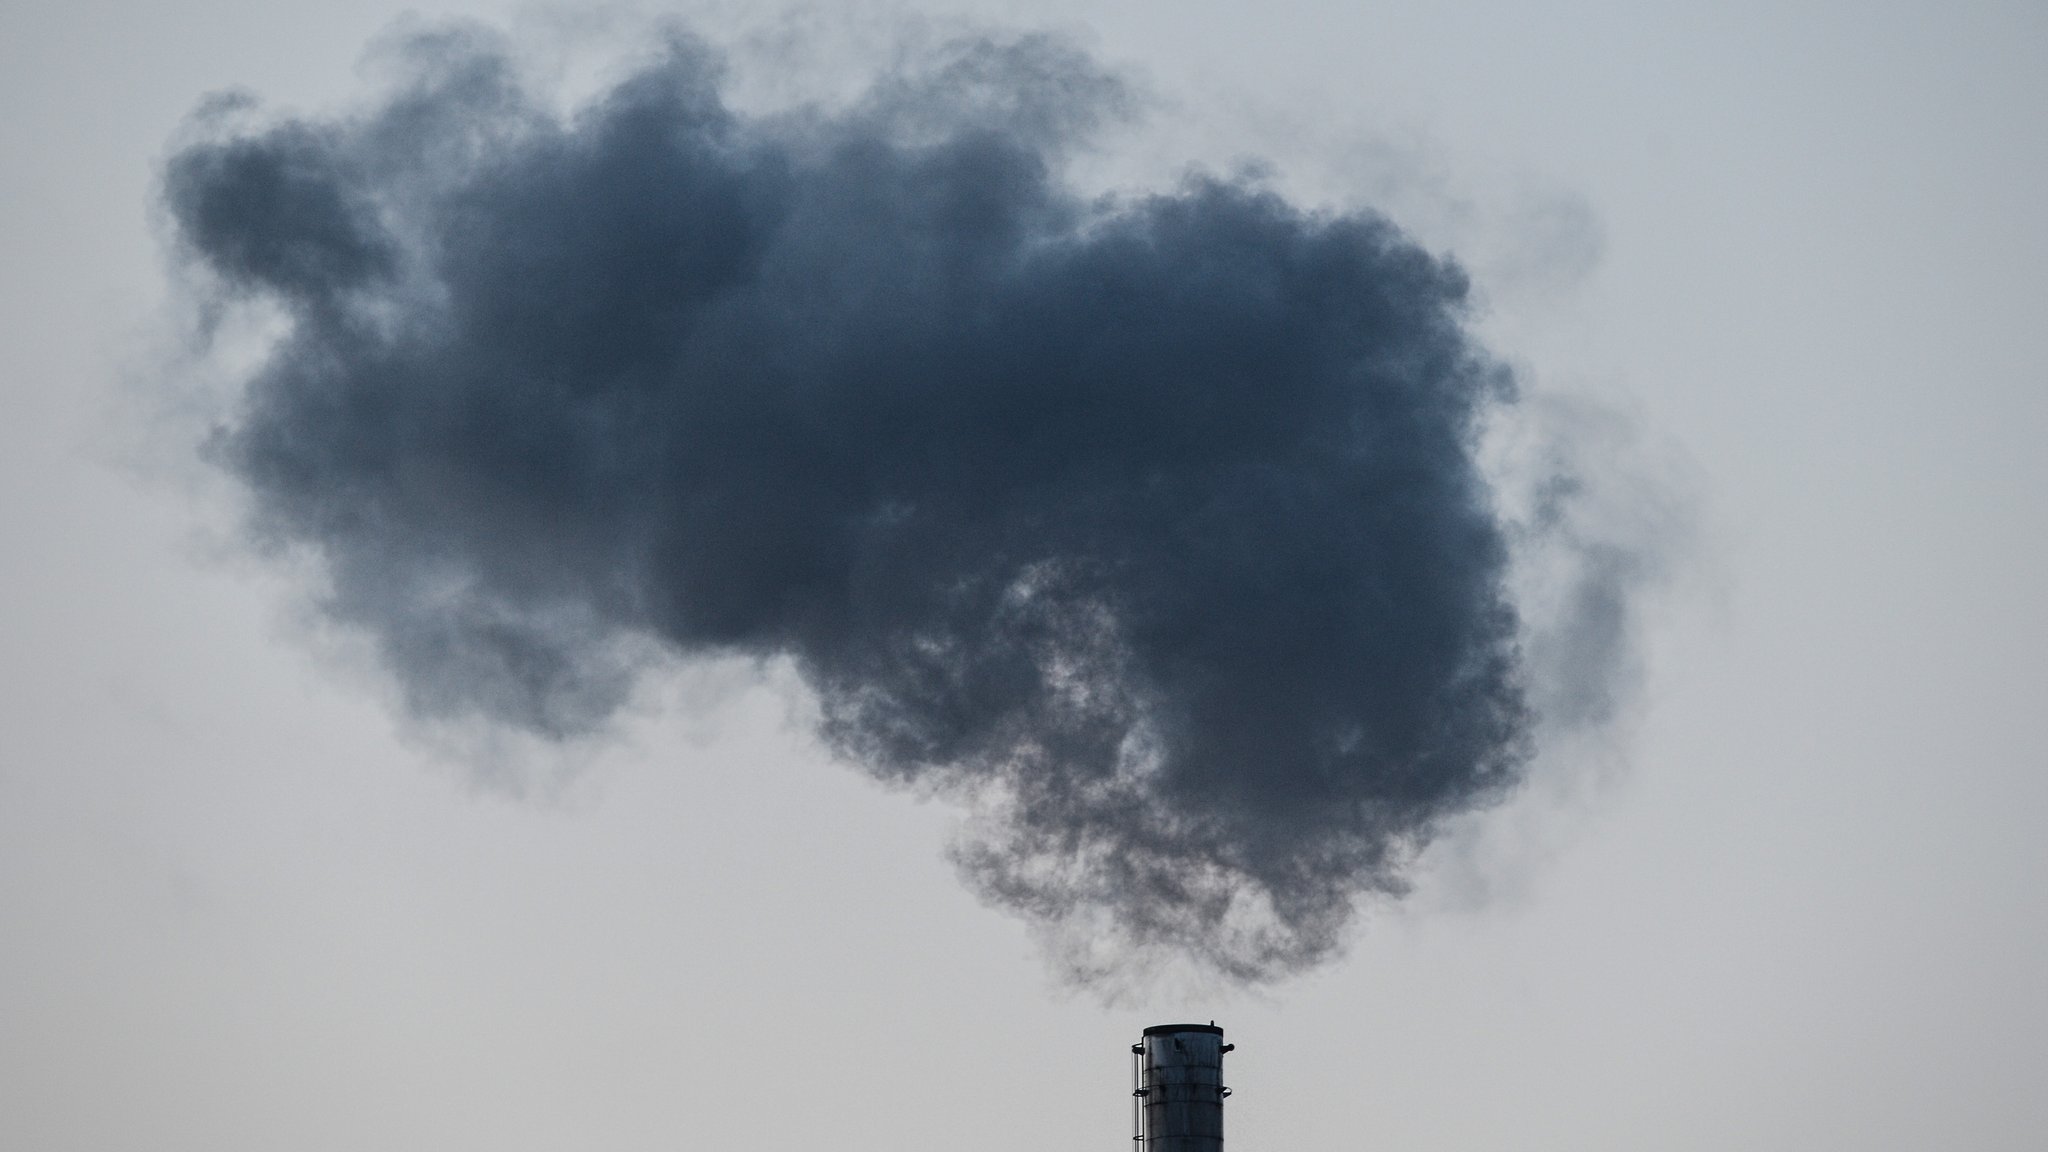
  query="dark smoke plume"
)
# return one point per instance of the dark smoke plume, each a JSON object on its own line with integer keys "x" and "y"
{"x": 1150, "y": 527}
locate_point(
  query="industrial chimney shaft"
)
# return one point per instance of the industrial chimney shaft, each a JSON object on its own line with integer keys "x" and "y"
{"x": 1179, "y": 1088}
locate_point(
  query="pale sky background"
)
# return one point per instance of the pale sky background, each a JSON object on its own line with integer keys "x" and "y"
{"x": 1798, "y": 905}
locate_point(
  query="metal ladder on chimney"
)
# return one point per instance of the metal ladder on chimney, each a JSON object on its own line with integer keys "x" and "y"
{"x": 1138, "y": 1094}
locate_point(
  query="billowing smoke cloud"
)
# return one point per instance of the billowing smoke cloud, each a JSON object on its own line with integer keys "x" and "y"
{"x": 1151, "y": 528}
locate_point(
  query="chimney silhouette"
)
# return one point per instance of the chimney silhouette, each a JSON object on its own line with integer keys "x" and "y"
{"x": 1178, "y": 1091}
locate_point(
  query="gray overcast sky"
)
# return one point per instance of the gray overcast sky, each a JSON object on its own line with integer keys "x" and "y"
{"x": 1802, "y": 907}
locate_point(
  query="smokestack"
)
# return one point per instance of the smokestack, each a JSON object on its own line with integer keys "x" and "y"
{"x": 1179, "y": 1092}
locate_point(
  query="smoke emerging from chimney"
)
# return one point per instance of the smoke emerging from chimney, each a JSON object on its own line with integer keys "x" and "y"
{"x": 1152, "y": 528}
